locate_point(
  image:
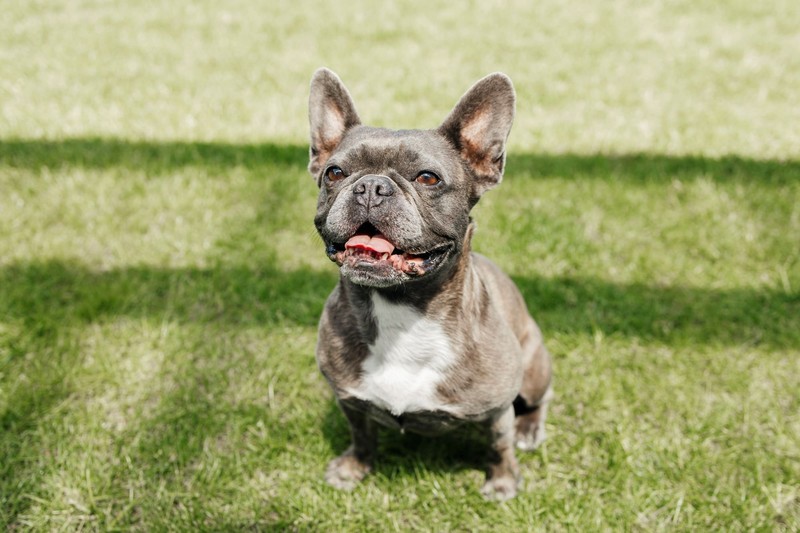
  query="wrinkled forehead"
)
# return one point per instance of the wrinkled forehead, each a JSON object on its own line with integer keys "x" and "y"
{"x": 377, "y": 150}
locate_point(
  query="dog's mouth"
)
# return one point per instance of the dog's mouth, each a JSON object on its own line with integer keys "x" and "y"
{"x": 369, "y": 249}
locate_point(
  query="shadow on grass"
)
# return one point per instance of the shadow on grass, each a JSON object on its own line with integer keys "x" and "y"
{"x": 23, "y": 405}
{"x": 674, "y": 315}
{"x": 404, "y": 454}
{"x": 53, "y": 294}
{"x": 100, "y": 153}
{"x": 185, "y": 439}
{"x": 47, "y": 296}
{"x": 35, "y": 154}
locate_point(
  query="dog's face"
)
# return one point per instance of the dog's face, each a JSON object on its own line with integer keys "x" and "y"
{"x": 394, "y": 205}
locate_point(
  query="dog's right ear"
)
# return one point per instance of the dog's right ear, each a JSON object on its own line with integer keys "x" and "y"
{"x": 331, "y": 113}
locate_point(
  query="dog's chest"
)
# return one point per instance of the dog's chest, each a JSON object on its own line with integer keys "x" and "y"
{"x": 407, "y": 361}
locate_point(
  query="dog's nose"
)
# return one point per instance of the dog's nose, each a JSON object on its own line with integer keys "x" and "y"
{"x": 371, "y": 190}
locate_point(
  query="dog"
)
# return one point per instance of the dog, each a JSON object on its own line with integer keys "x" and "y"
{"x": 421, "y": 334}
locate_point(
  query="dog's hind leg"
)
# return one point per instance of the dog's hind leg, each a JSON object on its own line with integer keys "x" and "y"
{"x": 502, "y": 476}
{"x": 530, "y": 406}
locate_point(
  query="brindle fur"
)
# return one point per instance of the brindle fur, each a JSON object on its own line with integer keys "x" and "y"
{"x": 501, "y": 374}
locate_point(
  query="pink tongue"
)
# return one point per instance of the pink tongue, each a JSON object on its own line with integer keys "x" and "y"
{"x": 377, "y": 243}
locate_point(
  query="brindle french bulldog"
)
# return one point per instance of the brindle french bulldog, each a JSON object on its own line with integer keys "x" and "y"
{"x": 421, "y": 334}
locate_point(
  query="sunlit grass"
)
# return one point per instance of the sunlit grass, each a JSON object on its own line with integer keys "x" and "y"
{"x": 160, "y": 279}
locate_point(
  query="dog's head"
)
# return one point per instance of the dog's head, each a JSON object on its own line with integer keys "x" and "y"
{"x": 394, "y": 204}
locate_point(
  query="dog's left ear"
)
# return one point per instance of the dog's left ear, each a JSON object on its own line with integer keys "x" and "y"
{"x": 478, "y": 127}
{"x": 331, "y": 113}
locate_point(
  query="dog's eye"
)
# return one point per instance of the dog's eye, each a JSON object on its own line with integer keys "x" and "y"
{"x": 334, "y": 174}
{"x": 428, "y": 178}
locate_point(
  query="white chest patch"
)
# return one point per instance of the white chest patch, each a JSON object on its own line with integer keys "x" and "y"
{"x": 407, "y": 361}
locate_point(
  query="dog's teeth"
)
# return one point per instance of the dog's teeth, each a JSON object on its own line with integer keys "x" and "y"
{"x": 385, "y": 256}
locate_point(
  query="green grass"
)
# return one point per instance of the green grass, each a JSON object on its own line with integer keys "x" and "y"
{"x": 160, "y": 278}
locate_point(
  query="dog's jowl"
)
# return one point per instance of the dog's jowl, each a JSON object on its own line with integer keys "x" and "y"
{"x": 421, "y": 334}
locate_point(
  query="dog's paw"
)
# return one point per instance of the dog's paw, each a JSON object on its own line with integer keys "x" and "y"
{"x": 346, "y": 471}
{"x": 502, "y": 479}
{"x": 500, "y": 488}
{"x": 530, "y": 439}
{"x": 529, "y": 432}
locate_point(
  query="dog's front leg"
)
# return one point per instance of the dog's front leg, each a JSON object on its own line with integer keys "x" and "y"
{"x": 348, "y": 469}
{"x": 502, "y": 476}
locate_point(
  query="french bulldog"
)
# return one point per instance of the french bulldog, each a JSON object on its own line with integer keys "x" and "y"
{"x": 421, "y": 334}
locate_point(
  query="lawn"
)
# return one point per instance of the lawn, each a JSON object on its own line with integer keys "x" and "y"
{"x": 161, "y": 280}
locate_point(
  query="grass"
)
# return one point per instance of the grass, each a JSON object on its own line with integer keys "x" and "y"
{"x": 160, "y": 279}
